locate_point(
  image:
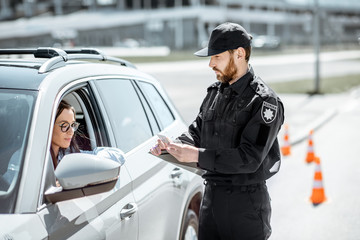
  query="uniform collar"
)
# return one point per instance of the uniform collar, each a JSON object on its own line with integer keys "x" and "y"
{"x": 240, "y": 85}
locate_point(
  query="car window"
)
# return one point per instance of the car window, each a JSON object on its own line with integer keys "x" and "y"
{"x": 126, "y": 112}
{"x": 155, "y": 127}
{"x": 157, "y": 103}
{"x": 84, "y": 134}
{"x": 15, "y": 114}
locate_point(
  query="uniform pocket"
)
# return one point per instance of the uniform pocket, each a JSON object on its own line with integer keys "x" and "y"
{"x": 244, "y": 219}
{"x": 209, "y": 115}
{"x": 261, "y": 204}
{"x": 241, "y": 118}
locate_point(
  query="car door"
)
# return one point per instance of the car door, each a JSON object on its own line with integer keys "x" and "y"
{"x": 98, "y": 216}
{"x": 158, "y": 186}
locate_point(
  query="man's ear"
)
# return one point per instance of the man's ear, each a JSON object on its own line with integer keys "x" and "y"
{"x": 240, "y": 52}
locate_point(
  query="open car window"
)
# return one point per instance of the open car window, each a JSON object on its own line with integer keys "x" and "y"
{"x": 85, "y": 135}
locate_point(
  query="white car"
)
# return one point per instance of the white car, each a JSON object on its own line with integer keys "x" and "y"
{"x": 140, "y": 197}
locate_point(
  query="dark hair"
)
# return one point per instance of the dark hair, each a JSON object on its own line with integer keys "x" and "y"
{"x": 63, "y": 105}
{"x": 74, "y": 148}
{"x": 247, "y": 53}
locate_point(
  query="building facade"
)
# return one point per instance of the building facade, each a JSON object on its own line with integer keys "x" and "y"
{"x": 179, "y": 24}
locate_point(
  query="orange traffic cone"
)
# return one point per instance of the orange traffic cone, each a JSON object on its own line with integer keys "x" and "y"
{"x": 286, "y": 149}
{"x": 318, "y": 192}
{"x": 310, "y": 156}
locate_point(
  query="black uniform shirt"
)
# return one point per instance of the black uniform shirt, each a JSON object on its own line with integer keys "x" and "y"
{"x": 236, "y": 131}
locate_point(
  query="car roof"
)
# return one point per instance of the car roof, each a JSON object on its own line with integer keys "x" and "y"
{"x": 29, "y": 73}
{"x": 20, "y": 74}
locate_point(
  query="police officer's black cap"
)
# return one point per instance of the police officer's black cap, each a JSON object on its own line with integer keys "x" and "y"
{"x": 224, "y": 37}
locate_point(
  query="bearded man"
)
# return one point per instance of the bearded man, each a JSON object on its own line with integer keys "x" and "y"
{"x": 234, "y": 139}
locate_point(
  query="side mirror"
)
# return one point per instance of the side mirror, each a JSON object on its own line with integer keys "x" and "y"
{"x": 81, "y": 174}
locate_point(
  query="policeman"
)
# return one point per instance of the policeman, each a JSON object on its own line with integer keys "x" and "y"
{"x": 233, "y": 138}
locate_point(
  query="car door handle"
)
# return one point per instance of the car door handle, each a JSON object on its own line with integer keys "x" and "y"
{"x": 176, "y": 172}
{"x": 128, "y": 210}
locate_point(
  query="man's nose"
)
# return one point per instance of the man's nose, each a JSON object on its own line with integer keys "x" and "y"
{"x": 212, "y": 63}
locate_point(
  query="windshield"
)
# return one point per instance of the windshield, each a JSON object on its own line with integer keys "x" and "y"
{"x": 15, "y": 112}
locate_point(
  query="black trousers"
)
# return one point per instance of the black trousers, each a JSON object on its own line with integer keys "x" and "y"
{"x": 235, "y": 212}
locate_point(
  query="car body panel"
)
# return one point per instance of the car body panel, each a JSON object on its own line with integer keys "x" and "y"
{"x": 21, "y": 226}
{"x": 156, "y": 192}
{"x": 13, "y": 77}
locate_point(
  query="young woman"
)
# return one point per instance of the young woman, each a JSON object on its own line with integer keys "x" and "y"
{"x": 63, "y": 140}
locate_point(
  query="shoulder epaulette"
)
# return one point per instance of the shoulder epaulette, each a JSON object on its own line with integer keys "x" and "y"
{"x": 214, "y": 85}
{"x": 261, "y": 88}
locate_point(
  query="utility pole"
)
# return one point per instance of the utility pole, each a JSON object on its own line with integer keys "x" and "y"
{"x": 29, "y": 7}
{"x": 316, "y": 33}
{"x": 178, "y": 26}
{"x": 58, "y": 5}
{"x": 5, "y": 10}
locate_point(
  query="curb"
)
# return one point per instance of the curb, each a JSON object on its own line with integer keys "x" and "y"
{"x": 326, "y": 116}
{"x": 319, "y": 122}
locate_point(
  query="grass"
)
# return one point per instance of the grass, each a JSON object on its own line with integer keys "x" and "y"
{"x": 327, "y": 85}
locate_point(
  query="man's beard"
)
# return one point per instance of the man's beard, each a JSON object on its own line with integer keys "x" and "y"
{"x": 229, "y": 72}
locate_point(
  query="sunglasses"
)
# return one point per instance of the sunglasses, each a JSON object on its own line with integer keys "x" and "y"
{"x": 65, "y": 126}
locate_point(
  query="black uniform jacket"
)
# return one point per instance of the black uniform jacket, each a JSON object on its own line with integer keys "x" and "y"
{"x": 236, "y": 131}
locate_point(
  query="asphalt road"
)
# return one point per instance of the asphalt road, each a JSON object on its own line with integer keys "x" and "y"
{"x": 335, "y": 119}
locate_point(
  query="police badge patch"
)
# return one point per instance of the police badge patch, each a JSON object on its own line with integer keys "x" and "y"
{"x": 268, "y": 112}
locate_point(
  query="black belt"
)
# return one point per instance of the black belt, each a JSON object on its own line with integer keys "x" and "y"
{"x": 242, "y": 188}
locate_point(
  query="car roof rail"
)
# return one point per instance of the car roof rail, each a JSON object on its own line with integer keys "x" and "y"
{"x": 58, "y": 57}
{"x": 38, "y": 53}
{"x": 95, "y": 52}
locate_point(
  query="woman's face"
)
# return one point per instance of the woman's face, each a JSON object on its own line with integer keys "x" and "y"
{"x": 63, "y": 139}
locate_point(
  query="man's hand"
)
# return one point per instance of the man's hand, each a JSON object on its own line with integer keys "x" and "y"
{"x": 156, "y": 150}
{"x": 183, "y": 152}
